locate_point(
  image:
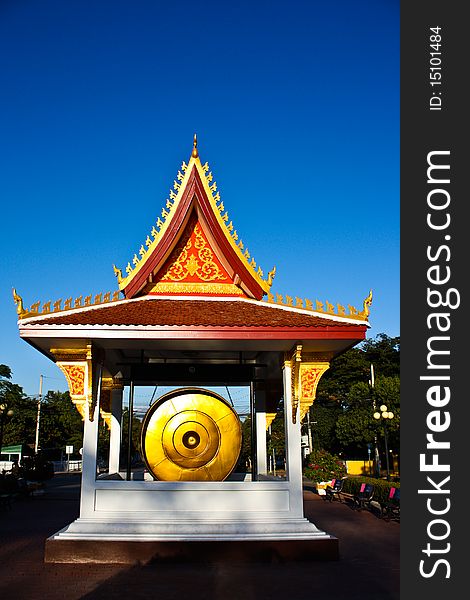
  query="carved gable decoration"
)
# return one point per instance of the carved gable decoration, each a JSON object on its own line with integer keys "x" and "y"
{"x": 175, "y": 261}
{"x": 193, "y": 267}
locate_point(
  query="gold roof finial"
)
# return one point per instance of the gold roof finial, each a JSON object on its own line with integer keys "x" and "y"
{"x": 195, "y": 153}
{"x": 19, "y": 303}
{"x": 367, "y": 302}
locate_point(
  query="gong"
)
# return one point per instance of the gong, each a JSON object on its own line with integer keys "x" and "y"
{"x": 191, "y": 434}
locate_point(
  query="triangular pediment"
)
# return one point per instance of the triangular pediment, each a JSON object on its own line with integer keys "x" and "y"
{"x": 195, "y": 214}
{"x": 193, "y": 267}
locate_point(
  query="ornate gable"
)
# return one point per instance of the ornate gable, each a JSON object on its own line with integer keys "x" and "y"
{"x": 193, "y": 247}
{"x": 193, "y": 267}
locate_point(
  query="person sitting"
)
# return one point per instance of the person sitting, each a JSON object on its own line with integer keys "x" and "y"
{"x": 15, "y": 469}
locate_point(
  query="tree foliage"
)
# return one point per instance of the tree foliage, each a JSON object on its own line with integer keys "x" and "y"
{"x": 18, "y": 413}
{"x": 59, "y": 422}
{"x": 136, "y": 451}
{"x": 5, "y": 371}
{"x": 342, "y": 414}
{"x": 60, "y": 425}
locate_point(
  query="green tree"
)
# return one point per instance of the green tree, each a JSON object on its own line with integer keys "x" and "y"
{"x": 245, "y": 453}
{"x": 342, "y": 414}
{"x": 345, "y": 370}
{"x": 387, "y": 391}
{"x": 60, "y": 424}
{"x": 277, "y": 438}
{"x": 356, "y": 426}
{"x": 135, "y": 437}
{"x": 18, "y": 413}
{"x": 5, "y": 371}
{"x": 323, "y": 418}
{"x": 384, "y": 353}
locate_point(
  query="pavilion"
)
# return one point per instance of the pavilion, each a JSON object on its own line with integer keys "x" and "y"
{"x": 194, "y": 309}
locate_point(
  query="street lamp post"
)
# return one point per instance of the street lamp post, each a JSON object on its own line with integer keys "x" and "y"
{"x": 376, "y": 448}
{"x": 384, "y": 415}
{"x": 38, "y": 416}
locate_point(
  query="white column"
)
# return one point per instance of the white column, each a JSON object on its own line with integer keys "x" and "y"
{"x": 115, "y": 432}
{"x": 90, "y": 443}
{"x": 293, "y": 447}
{"x": 261, "y": 443}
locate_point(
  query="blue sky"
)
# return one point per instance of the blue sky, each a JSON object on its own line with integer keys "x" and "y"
{"x": 296, "y": 107}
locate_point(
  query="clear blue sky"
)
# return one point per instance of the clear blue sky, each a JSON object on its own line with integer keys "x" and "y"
{"x": 296, "y": 107}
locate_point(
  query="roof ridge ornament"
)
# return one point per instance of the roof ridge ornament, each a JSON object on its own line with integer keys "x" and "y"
{"x": 195, "y": 152}
{"x": 366, "y": 304}
{"x": 69, "y": 304}
{"x": 362, "y": 315}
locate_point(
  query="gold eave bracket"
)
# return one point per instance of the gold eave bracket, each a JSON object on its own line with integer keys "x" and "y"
{"x": 306, "y": 371}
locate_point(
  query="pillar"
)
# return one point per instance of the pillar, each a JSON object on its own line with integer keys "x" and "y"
{"x": 261, "y": 456}
{"x": 293, "y": 445}
{"x": 302, "y": 372}
{"x": 83, "y": 370}
{"x": 89, "y": 466}
{"x": 115, "y": 432}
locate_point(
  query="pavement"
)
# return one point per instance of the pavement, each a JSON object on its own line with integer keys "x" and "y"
{"x": 367, "y": 569}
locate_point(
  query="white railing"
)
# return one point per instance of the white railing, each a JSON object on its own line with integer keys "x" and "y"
{"x": 63, "y": 466}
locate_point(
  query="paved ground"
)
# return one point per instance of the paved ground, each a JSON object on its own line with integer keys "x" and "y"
{"x": 368, "y": 568}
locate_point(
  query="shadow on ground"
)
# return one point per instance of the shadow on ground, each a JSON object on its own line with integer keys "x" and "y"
{"x": 368, "y": 567}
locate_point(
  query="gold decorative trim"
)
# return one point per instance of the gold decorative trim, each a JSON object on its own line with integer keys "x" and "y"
{"x": 80, "y": 406}
{"x": 106, "y": 416}
{"x": 295, "y": 361}
{"x": 216, "y": 289}
{"x": 366, "y": 304}
{"x": 306, "y": 371}
{"x": 269, "y": 419}
{"x": 69, "y": 304}
{"x": 81, "y": 374}
{"x": 69, "y": 354}
{"x": 310, "y": 374}
{"x": 76, "y": 375}
{"x": 111, "y": 383}
{"x": 330, "y": 308}
{"x": 194, "y": 258}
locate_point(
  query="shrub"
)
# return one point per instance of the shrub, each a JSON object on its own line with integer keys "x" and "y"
{"x": 323, "y": 466}
{"x": 381, "y": 487}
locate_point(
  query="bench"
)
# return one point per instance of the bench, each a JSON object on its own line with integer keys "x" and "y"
{"x": 363, "y": 498}
{"x": 391, "y": 509}
{"x": 12, "y": 488}
{"x": 334, "y": 490}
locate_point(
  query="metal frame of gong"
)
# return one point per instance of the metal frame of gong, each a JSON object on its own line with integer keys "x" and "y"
{"x": 197, "y": 374}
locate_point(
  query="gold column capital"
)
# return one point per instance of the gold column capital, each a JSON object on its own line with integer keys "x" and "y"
{"x": 306, "y": 371}
{"x": 269, "y": 419}
{"x": 79, "y": 366}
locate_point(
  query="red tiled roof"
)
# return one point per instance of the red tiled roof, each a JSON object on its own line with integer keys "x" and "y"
{"x": 197, "y": 313}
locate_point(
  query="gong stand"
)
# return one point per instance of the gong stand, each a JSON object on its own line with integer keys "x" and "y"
{"x": 218, "y": 508}
{"x": 182, "y": 374}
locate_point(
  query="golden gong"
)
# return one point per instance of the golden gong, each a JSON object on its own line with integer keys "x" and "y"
{"x": 191, "y": 434}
